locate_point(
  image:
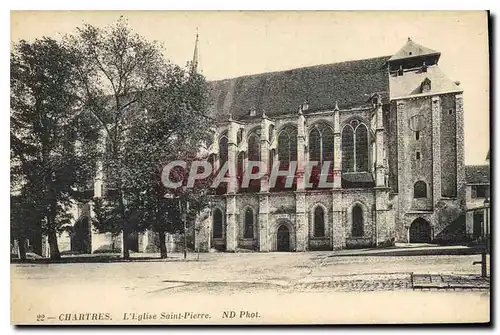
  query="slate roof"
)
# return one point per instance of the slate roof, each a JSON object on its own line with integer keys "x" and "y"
{"x": 477, "y": 174}
{"x": 412, "y": 49}
{"x": 410, "y": 83}
{"x": 351, "y": 84}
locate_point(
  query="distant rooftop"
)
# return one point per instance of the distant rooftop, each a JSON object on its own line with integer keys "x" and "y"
{"x": 477, "y": 174}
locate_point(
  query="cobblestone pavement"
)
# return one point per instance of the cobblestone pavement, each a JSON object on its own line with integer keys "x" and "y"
{"x": 369, "y": 282}
{"x": 453, "y": 282}
{"x": 348, "y": 283}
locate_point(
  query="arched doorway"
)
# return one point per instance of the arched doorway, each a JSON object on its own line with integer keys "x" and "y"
{"x": 420, "y": 231}
{"x": 283, "y": 238}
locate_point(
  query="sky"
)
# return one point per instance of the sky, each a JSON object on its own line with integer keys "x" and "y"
{"x": 233, "y": 44}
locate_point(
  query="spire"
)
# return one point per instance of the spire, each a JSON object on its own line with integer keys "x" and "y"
{"x": 194, "y": 64}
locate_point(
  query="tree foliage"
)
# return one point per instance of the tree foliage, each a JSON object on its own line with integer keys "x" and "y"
{"x": 150, "y": 112}
{"x": 52, "y": 141}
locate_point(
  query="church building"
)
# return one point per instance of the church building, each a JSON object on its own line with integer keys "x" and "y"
{"x": 392, "y": 128}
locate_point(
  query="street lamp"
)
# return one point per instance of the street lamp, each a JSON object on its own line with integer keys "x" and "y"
{"x": 184, "y": 218}
{"x": 486, "y": 235}
{"x": 485, "y": 238}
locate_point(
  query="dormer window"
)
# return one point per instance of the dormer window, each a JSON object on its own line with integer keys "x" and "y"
{"x": 426, "y": 85}
{"x": 424, "y": 67}
{"x": 400, "y": 71}
{"x": 253, "y": 111}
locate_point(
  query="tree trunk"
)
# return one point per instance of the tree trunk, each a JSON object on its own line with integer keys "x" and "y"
{"x": 22, "y": 248}
{"x": 54, "y": 248}
{"x": 51, "y": 232}
{"x": 125, "y": 248}
{"x": 163, "y": 246}
{"x": 125, "y": 227}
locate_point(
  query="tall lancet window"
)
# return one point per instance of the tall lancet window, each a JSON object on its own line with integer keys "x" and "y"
{"x": 320, "y": 150}
{"x": 355, "y": 147}
{"x": 287, "y": 145}
{"x": 254, "y": 156}
{"x": 321, "y": 143}
{"x": 217, "y": 229}
{"x": 319, "y": 222}
{"x": 357, "y": 221}
{"x": 254, "y": 145}
{"x": 223, "y": 158}
{"x": 223, "y": 149}
{"x": 287, "y": 152}
{"x": 248, "y": 228}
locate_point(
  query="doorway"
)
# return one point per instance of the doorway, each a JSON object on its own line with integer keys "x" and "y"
{"x": 283, "y": 238}
{"x": 420, "y": 231}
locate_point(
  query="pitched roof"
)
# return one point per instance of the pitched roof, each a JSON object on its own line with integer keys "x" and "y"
{"x": 412, "y": 49}
{"x": 351, "y": 84}
{"x": 477, "y": 174}
{"x": 410, "y": 83}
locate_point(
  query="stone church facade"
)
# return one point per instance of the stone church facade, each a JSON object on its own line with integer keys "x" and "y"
{"x": 392, "y": 128}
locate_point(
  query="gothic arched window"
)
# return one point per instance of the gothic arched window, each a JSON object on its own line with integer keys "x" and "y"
{"x": 355, "y": 147}
{"x": 420, "y": 189}
{"x": 361, "y": 148}
{"x": 223, "y": 148}
{"x": 254, "y": 146}
{"x": 248, "y": 228}
{"x": 217, "y": 223}
{"x": 357, "y": 221}
{"x": 287, "y": 145}
{"x": 348, "y": 149}
{"x": 287, "y": 153}
{"x": 271, "y": 133}
{"x": 254, "y": 156}
{"x": 319, "y": 222}
{"x": 321, "y": 143}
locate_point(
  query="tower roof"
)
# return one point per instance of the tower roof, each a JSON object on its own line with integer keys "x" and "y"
{"x": 411, "y": 50}
{"x": 195, "y": 61}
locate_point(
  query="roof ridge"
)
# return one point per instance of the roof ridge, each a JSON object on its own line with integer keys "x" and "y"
{"x": 300, "y": 68}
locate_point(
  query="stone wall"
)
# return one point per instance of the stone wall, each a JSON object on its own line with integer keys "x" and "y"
{"x": 295, "y": 210}
{"x": 448, "y": 146}
{"x": 391, "y": 126}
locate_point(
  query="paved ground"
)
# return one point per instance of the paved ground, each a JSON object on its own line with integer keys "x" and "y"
{"x": 264, "y": 283}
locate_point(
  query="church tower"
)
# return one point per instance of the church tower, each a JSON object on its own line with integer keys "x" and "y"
{"x": 195, "y": 61}
{"x": 427, "y": 168}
